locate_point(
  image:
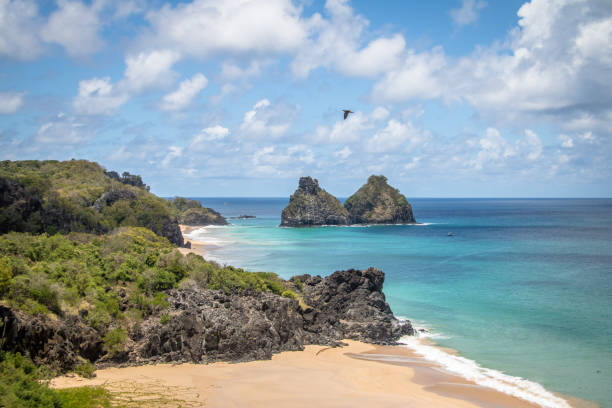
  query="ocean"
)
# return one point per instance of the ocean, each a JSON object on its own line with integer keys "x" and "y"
{"x": 521, "y": 287}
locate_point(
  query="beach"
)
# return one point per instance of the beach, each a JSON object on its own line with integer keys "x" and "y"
{"x": 357, "y": 375}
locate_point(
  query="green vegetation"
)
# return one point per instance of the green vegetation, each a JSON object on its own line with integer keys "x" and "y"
{"x": 110, "y": 280}
{"x": 23, "y": 385}
{"x": 191, "y": 212}
{"x": 77, "y": 195}
{"x": 378, "y": 202}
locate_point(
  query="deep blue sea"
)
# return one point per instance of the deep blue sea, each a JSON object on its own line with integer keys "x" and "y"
{"x": 523, "y": 286}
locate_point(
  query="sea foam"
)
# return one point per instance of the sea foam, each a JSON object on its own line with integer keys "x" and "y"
{"x": 470, "y": 370}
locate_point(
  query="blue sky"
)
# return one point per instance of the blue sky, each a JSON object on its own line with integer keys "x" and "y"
{"x": 458, "y": 98}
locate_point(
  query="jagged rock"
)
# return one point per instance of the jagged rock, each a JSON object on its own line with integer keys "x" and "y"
{"x": 311, "y": 205}
{"x": 376, "y": 202}
{"x": 207, "y": 325}
{"x": 57, "y": 343}
{"x": 202, "y": 216}
{"x": 243, "y": 217}
{"x": 350, "y": 305}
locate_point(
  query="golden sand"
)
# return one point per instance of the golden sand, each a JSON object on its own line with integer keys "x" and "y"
{"x": 351, "y": 376}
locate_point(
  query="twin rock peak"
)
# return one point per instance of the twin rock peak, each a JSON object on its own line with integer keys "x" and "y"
{"x": 376, "y": 202}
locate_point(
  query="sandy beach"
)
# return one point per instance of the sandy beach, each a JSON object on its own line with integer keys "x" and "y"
{"x": 197, "y": 246}
{"x": 358, "y": 375}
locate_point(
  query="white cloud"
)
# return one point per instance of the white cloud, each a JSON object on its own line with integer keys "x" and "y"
{"x": 335, "y": 43}
{"x": 98, "y": 96}
{"x": 150, "y": 70}
{"x": 74, "y": 26}
{"x": 351, "y": 129}
{"x": 468, "y": 13}
{"x": 60, "y": 131}
{"x": 555, "y": 65}
{"x": 267, "y": 120}
{"x": 174, "y": 152}
{"x": 10, "y": 102}
{"x": 566, "y": 141}
{"x": 343, "y": 153}
{"x": 19, "y": 24}
{"x": 209, "y": 134}
{"x": 205, "y": 27}
{"x": 396, "y": 136}
{"x": 269, "y": 160}
{"x": 186, "y": 92}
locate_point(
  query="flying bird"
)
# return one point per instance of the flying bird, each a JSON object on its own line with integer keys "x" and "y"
{"x": 346, "y": 113}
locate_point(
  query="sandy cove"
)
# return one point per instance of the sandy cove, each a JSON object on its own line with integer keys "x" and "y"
{"x": 352, "y": 376}
{"x": 197, "y": 247}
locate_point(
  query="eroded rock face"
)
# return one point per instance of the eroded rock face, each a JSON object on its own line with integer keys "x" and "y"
{"x": 204, "y": 325}
{"x": 57, "y": 343}
{"x": 350, "y": 304}
{"x": 207, "y": 325}
{"x": 376, "y": 202}
{"x": 310, "y": 205}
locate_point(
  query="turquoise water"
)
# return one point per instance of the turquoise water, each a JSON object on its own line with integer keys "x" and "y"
{"x": 524, "y": 286}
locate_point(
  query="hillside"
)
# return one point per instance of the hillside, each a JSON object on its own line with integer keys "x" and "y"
{"x": 79, "y": 196}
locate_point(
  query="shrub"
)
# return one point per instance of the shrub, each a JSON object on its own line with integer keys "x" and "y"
{"x": 85, "y": 370}
{"x": 114, "y": 340}
{"x": 289, "y": 294}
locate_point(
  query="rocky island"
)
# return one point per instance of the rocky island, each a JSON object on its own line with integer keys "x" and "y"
{"x": 376, "y": 202}
{"x": 311, "y": 205}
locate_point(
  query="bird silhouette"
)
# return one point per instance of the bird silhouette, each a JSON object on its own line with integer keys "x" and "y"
{"x": 346, "y": 113}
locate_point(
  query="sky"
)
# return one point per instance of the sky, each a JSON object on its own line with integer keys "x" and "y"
{"x": 457, "y": 98}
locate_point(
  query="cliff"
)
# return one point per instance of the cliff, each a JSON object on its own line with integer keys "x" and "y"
{"x": 376, "y": 202}
{"x": 311, "y": 205}
{"x": 79, "y": 196}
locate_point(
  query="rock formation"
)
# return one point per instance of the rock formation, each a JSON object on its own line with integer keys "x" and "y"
{"x": 311, "y": 205}
{"x": 202, "y": 216}
{"x": 207, "y": 325}
{"x": 376, "y": 202}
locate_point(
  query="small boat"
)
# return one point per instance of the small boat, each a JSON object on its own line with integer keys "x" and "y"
{"x": 450, "y": 234}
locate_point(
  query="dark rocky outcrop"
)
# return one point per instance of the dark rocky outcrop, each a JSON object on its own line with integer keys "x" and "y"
{"x": 376, "y": 202}
{"x": 349, "y": 304}
{"x": 242, "y": 217}
{"x": 311, "y": 205}
{"x": 208, "y": 325}
{"x": 57, "y": 343}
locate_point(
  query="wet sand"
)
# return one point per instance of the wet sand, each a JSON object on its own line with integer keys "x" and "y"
{"x": 198, "y": 247}
{"x": 359, "y": 375}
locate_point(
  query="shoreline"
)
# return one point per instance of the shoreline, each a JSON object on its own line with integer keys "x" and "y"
{"x": 494, "y": 385}
{"x": 358, "y": 375}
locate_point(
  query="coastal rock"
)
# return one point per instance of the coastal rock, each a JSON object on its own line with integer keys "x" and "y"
{"x": 311, "y": 205}
{"x": 208, "y": 325}
{"x": 349, "y": 304}
{"x": 376, "y": 202}
{"x": 110, "y": 197}
{"x": 191, "y": 212}
{"x": 57, "y": 343}
{"x": 202, "y": 216}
